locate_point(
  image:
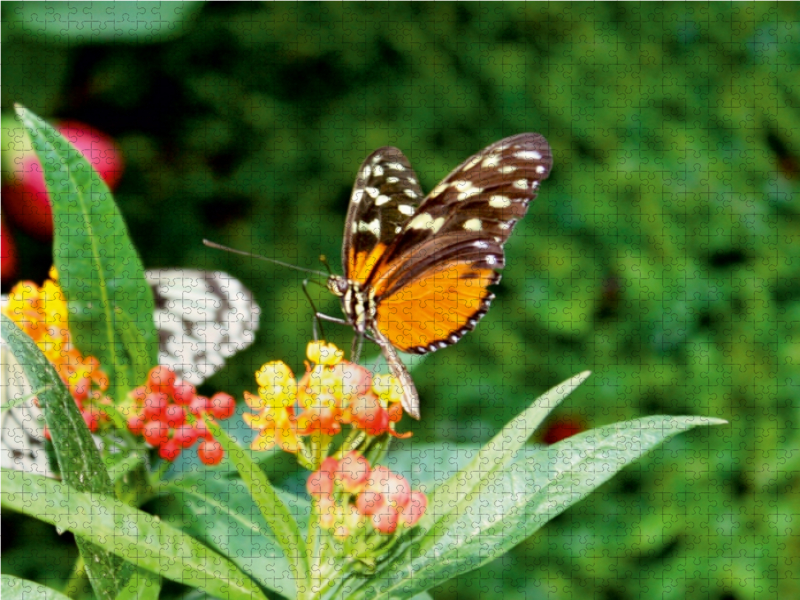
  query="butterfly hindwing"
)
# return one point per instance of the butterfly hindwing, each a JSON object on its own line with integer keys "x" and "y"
{"x": 385, "y": 196}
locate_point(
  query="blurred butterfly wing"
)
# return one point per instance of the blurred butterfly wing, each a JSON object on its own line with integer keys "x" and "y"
{"x": 202, "y": 318}
{"x": 385, "y": 195}
{"x": 21, "y": 427}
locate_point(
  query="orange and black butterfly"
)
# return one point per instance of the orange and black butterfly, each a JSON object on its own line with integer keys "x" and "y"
{"x": 417, "y": 270}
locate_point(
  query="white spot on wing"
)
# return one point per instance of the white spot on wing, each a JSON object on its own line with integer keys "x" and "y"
{"x": 358, "y": 195}
{"x": 373, "y": 227}
{"x": 499, "y": 201}
{"x": 472, "y": 162}
{"x": 378, "y": 172}
{"x": 426, "y": 221}
{"x": 405, "y": 209}
{"x": 392, "y": 180}
{"x": 410, "y": 193}
{"x": 396, "y": 166}
{"x": 473, "y": 224}
{"x": 521, "y": 184}
{"x": 366, "y": 172}
{"x": 491, "y": 161}
{"x": 528, "y": 155}
{"x": 466, "y": 189}
{"x": 439, "y": 189}
{"x": 382, "y": 199}
{"x": 540, "y": 169}
{"x": 372, "y": 192}
{"x": 505, "y": 170}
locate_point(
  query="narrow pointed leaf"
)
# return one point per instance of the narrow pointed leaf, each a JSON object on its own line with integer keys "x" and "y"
{"x": 502, "y": 448}
{"x": 78, "y": 458}
{"x": 142, "y": 539}
{"x": 520, "y": 498}
{"x": 98, "y": 268}
{"x": 275, "y": 512}
{"x": 222, "y": 514}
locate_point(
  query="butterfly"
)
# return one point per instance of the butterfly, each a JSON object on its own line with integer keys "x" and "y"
{"x": 202, "y": 318}
{"x": 417, "y": 268}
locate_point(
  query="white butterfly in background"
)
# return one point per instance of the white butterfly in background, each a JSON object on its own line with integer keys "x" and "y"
{"x": 202, "y": 318}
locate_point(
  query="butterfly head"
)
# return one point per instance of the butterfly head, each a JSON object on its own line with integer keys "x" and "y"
{"x": 358, "y": 301}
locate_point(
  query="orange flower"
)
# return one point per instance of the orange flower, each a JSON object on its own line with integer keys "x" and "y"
{"x": 332, "y": 392}
{"x": 43, "y": 315}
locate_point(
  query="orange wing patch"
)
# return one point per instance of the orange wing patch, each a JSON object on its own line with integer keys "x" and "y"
{"x": 362, "y": 263}
{"x": 435, "y": 311}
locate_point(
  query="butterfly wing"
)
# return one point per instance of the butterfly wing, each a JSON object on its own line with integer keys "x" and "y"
{"x": 385, "y": 196}
{"x": 431, "y": 282}
{"x": 21, "y": 427}
{"x": 202, "y": 318}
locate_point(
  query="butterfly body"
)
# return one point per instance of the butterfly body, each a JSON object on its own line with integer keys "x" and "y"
{"x": 417, "y": 268}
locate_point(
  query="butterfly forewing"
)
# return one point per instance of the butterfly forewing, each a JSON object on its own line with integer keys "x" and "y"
{"x": 385, "y": 196}
{"x": 486, "y": 195}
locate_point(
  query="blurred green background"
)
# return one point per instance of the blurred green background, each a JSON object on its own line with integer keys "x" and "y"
{"x": 663, "y": 253}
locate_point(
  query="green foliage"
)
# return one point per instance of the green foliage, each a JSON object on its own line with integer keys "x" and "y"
{"x": 100, "y": 273}
{"x": 78, "y": 458}
{"x": 661, "y": 254}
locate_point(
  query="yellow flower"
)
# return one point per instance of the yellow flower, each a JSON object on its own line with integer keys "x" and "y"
{"x": 387, "y": 388}
{"x": 321, "y": 353}
{"x": 276, "y": 386}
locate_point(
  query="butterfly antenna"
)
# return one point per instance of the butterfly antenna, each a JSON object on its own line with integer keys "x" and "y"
{"x": 211, "y": 244}
{"x": 324, "y": 260}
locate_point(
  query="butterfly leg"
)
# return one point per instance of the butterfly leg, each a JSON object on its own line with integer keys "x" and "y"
{"x": 355, "y": 350}
{"x": 400, "y": 372}
{"x": 317, "y": 321}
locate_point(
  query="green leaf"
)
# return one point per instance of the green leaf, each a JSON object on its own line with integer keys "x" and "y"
{"x": 78, "y": 458}
{"x": 221, "y": 513}
{"x": 98, "y": 267}
{"x": 518, "y": 499}
{"x": 494, "y": 455}
{"x": 14, "y": 588}
{"x": 142, "y": 539}
{"x": 275, "y": 512}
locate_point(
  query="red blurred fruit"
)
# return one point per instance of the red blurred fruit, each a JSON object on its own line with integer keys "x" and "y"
{"x": 210, "y": 452}
{"x": 199, "y": 405}
{"x": 155, "y": 433}
{"x": 25, "y": 199}
{"x": 561, "y": 429}
{"x": 174, "y": 415}
{"x": 185, "y": 435}
{"x": 154, "y": 405}
{"x": 222, "y": 405}
{"x": 8, "y": 254}
{"x": 184, "y": 393}
{"x": 161, "y": 379}
{"x": 170, "y": 450}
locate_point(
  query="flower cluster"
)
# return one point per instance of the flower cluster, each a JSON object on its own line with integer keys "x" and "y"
{"x": 332, "y": 392}
{"x": 41, "y": 312}
{"x": 348, "y": 494}
{"x": 169, "y": 415}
